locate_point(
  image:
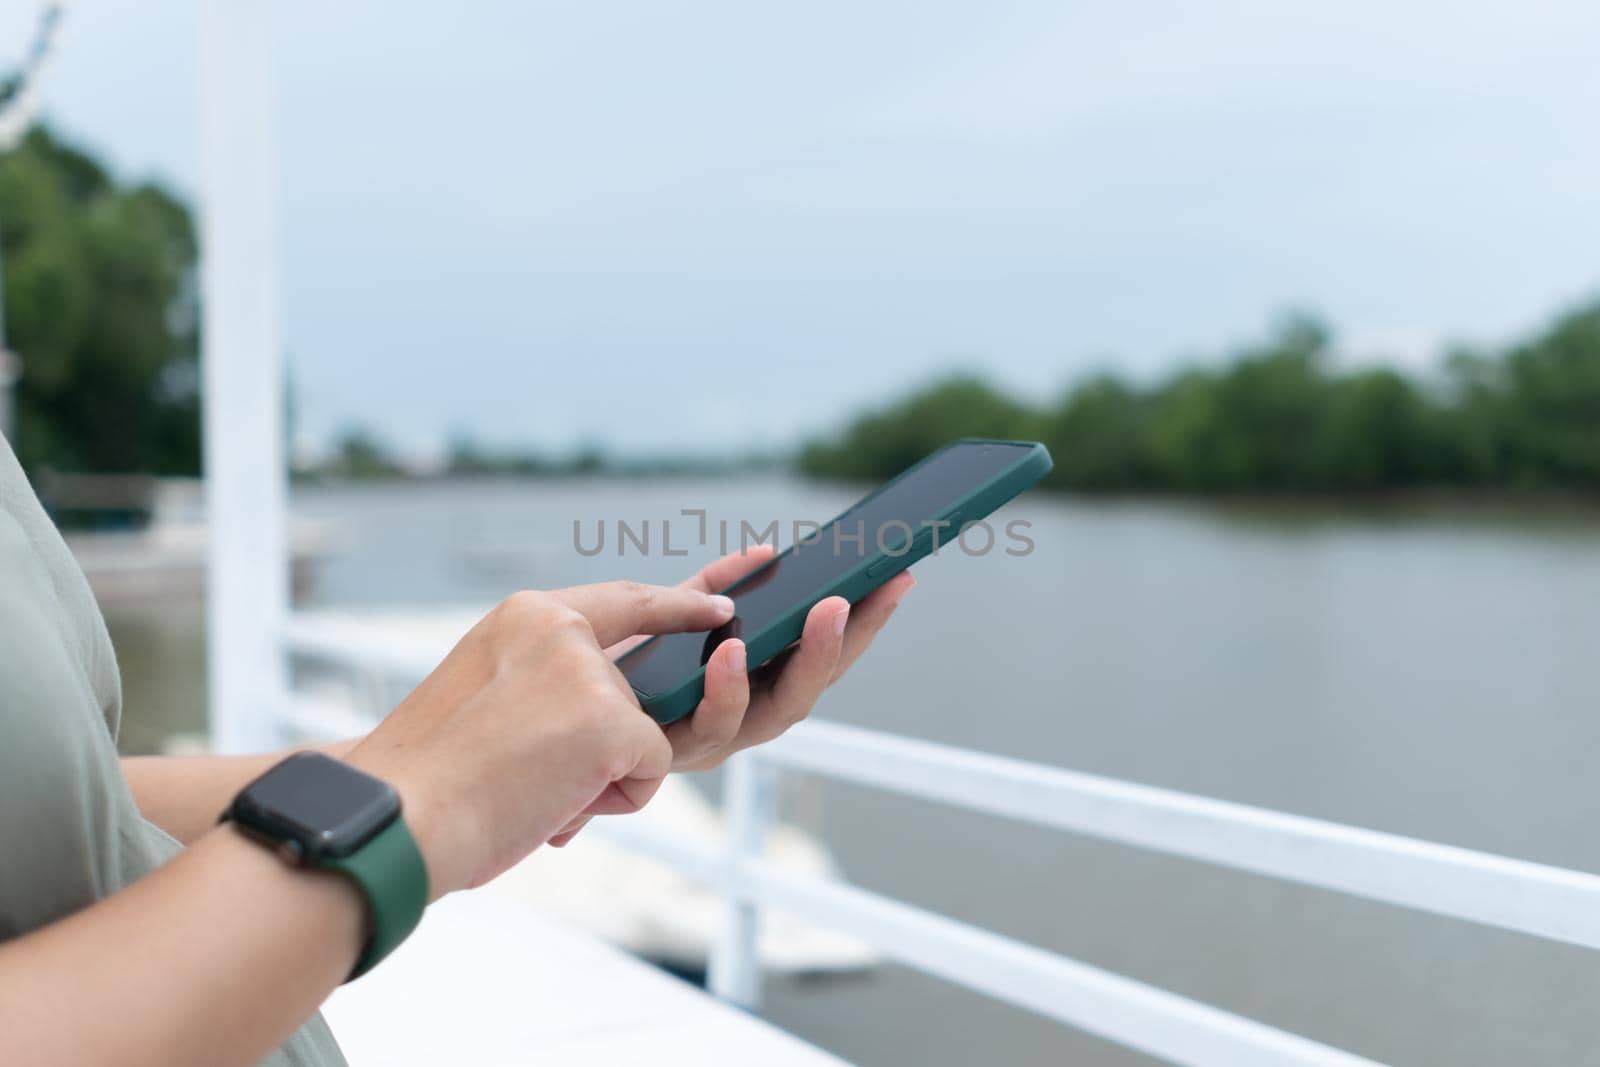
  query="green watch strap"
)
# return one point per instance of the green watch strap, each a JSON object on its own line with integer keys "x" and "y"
{"x": 392, "y": 874}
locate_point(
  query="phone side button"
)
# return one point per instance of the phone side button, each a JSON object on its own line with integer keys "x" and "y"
{"x": 947, "y": 531}
{"x": 884, "y": 566}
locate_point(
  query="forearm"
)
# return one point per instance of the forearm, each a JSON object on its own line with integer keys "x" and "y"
{"x": 216, "y": 957}
{"x": 184, "y": 795}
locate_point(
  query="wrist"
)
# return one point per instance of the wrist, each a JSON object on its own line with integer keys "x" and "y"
{"x": 320, "y": 813}
{"x": 421, "y": 816}
{"x": 341, "y": 902}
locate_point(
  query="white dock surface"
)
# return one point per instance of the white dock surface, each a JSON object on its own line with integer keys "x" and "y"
{"x": 488, "y": 983}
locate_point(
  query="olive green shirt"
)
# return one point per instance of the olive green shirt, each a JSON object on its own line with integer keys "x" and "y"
{"x": 70, "y": 833}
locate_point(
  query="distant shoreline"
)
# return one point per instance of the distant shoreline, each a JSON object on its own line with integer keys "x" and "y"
{"x": 1420, "y": 500}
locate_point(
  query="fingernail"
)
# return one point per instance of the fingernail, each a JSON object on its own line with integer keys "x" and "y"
{"x": 839, "y": 620}
{"x": 723, "y": 604}
{"x": 736, "y": 657}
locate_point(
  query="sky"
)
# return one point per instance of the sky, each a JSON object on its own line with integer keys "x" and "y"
{"x": 709, "y": 226}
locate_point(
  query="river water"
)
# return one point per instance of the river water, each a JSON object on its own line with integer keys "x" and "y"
{"x": 1429, "y": 674}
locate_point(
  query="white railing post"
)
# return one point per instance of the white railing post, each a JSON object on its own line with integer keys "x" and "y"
{"x": 733, "y": 972}
{"x": 248, "y": 578}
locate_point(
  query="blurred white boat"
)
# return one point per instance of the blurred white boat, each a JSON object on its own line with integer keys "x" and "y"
{"x": 663, "y": 916}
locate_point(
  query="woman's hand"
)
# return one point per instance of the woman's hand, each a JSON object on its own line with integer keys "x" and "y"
{"x": 527, "y": 727}
{"x": 218, "y": 955}
{"x": 739, "y": 709}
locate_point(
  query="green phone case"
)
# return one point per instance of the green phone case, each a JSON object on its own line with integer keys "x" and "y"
{"x": 1033, "y": 462}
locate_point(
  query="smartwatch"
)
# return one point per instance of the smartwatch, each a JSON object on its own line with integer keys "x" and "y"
{"x": 322, "y": 813}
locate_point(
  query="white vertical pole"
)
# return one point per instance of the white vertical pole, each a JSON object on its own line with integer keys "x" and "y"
{"x": 246, "y": 492}
{"x": 749, "y": 800}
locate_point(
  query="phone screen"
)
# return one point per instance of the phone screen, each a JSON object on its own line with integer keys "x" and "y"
{"x": 883, "y": 523}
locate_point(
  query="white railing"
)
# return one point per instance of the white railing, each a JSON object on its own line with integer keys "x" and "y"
{"x": 1549, "y": 902}
{"x": 1531, "y": 898}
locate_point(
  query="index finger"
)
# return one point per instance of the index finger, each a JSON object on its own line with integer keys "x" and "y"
{"x": 713, "y": 577}
{"x": 621, "y": 609}
{"x": 721, "y": 573}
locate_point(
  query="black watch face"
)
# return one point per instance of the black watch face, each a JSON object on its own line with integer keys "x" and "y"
{"x": 324, "y": 806}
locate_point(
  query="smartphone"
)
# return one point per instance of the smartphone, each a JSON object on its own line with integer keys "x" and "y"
{"x": 881, "y": 535}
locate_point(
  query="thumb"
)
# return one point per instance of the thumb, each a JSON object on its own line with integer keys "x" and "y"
{"x": 647, "y": 756}
{"x": 621, "y": 609}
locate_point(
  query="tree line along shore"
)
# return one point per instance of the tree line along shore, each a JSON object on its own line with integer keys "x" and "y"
{"x": 1285, "y": 416}
{"x": 101, "y": 302}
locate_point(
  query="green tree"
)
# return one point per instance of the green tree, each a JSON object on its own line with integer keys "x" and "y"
{"x": 101, "y": 304}
{"x": 1375, "y": 432}
{"x": 1099, "y": 436}
{"x": 1281, "y": 417}
{"x": 360, "y": 455}
{"x": 1473, "y": 418}
{"x": 883, "y": 444}
{"x": 1250, "y": 425}
{"x": 1553, "y": 386}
